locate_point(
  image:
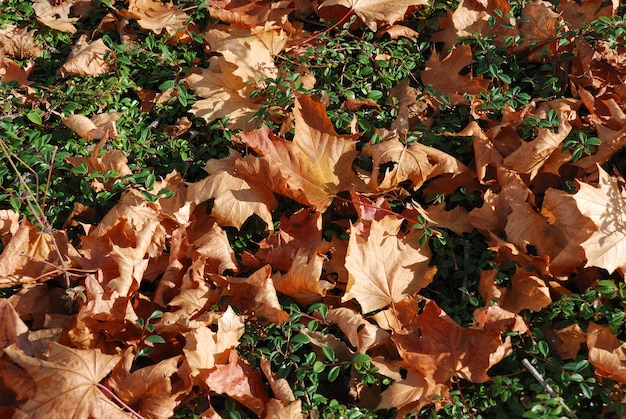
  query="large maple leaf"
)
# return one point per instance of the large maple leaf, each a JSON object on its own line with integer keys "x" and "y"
{"x": 373, "y": 11}
{"x": 67, "y": 383}
{"x": 223, "y": 94}
{"x": 606, "y": 353}
{"x": 386, "y": 267}
{"x": 443, "y": 349}
{"x": 443, "y": 75}
{"x": 157, "y": 16}
{"x": 312, "y": 168}
{"x": 605, "y": 206}
{"x": 236, "y": 198}
{"x": 415, "y": 162}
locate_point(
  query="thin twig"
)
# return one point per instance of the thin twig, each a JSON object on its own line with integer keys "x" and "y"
{"x": 568, "y": 412}
{"x": 120, "y": 401}
{"x": 38, "y": 212}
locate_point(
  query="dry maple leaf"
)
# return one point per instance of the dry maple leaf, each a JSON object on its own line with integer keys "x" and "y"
{"x": 55, "y": 14}
{"x": 476, "y": 17}
{"x": 361, "y": 334}
{"x": 415, "y": 162}
{"x": 439, "y": 348}
{"x": 19, "y": 43}
{"x": 235, "y": 198}
{"x": 604, "y": 205}
{"x": 251, "y": 52}
{"x": 254, "y": 295}
{"x": 566, "y": 341}
{"x": 223, "y": 94}
{"x": 576, "y": 14}
{"x": 527, "y": 291}
{"x": 303, "y": 280}
{"x": 11, "y": 71}
{"x": 204, "y": 348}
{"x": 373, "y": 11}
{"x": 606, "y": 353}
{"x": 150, "y": 388}
{"x": 312, "y": 168}
{"x": 88, "y": 59}
{"x": 98, "y": 127}
{"x": 411, "y": 393}
{"x": 239, "y": 380}
{"x": 443, "y": 76}
{"x": 67, "y": 383}
{"x": 386, "y": 267}
{"x": 158, "y": 16}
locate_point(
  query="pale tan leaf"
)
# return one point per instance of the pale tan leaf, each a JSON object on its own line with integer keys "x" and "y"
{"x": 386, "y": 267}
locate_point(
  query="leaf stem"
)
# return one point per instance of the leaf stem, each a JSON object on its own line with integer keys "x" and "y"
{"x": 309, "y": 39}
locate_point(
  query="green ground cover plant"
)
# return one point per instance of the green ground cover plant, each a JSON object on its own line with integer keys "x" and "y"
{"x": 203, "y": 197}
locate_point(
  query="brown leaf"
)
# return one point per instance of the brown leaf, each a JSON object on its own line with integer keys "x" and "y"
{"x": 443, "y": 76}
{"x": 254, "y": 295}
{"x": 55, "y": 15}
{"x": 442, "y": 349}
{"x": 204, "y": 349}
{"x": 303, "y": 280}
{"x": 354, "y": 105}
{"x": 251, "y": 52}
{"x": 374, "y": 11}
{"x": 576, "y": 14}
{"x": 313, "y": 167}
{"x": 239, "y": 380}
{"x": 223, "y": 94}
{"x": 150, "y": 388}
{"x": 67, "y": 383}
{"x": 19, "y": 43}
{"x": 604, "y": 205}
{"x": 527, "y": 291}
{"x": 157, "y": 16}
{"x": 397, "y": 31}
{"x": 415, "y": 162}
{"x": 411, "y": 393}
{"x": 88, "y": 59}
{"x": 12, "y": 329}
{"x": 566, "y": 342}
{"x": 98, "y": 127}
{"x": 606, "y": 353}
{"x": 386, "y": 267}
{"x": 411, "y": 110}
{"x": 361, "y": 334}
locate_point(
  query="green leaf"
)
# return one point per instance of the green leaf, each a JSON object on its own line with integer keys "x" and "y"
{"x": 329, "y": 353}
{"x": 333, "y": 373}
{"x": 154, "y": 339}
{"x": 300, "y": 338}
{"x": 34, "y": 117}
{"x": 318, "y": 367}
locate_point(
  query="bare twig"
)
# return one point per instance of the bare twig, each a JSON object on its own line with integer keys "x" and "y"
{"x": 568, "y": 412}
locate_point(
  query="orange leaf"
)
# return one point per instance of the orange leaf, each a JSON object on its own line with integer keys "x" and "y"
{"x": 157, "y": 16}
{"x": 386, "y": 267}
{"x": 67, "y": 383}
{"x": 606, "y": 353}
{"x": 439, "y": 348}
{"x": 239, "y": 380}
{"x": 443, "y": 75}
{"x": 223, "y": 94}
{"x": 373, "y": 11}
{"x": 313, "y": 167}
{"x": 88, "y": 59}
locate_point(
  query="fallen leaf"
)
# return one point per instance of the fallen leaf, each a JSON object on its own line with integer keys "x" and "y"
{"x": 603, "y": 205}
{"x": 88, "y": 59}
{"x": 67, "y": 383}
{"x": 606, "y": 353}
{"x": 386, "y": 267}
{"x": 566, "y": 341}
{"x": 374, "y": 11}
{"x": 19, "y": 43}
{"x": 55, "y": 15}
{"x": 239, "y": 380}
{"x": 313, "y": 167}
{"x": 158, "y": 16}
{"x": 443, "y": 75}
{"x": 442, "y": 349}
{"x": 223, "y": 94}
